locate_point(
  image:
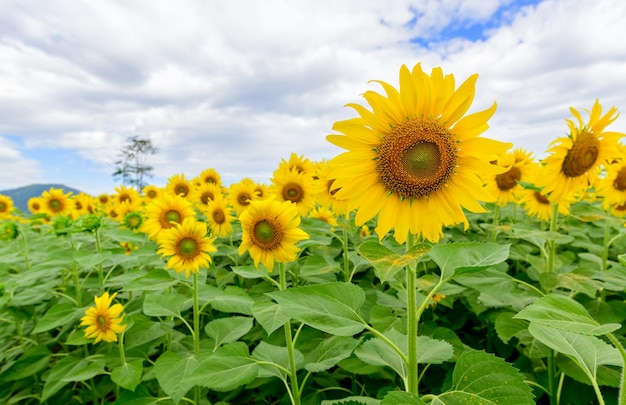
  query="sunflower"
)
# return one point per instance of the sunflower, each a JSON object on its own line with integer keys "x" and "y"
{"x": 209, "y": 176}
{"x": 270, "y": 232}
{"x": 241, "y": 194}
{"x": 505, "y": 186}
{"x": 178, "y": 185}
{"x": 292, "y": 185}
{"x": 6, "y": 206}
{"x": 299, "y": 163}
{"x": 55, "y": 202}
{"x": 219, "y": 217}
{"x": 324, "y": 214}
{"x": 35, "y": 205}
{"x": 262, "y": 191}
{"x": 324, "y": 191}
{"x": 126, "y": 194}
{"x": 103, "y": 321}
{"x": 576, "y": 160}
{"x": 612, "y": 187}
{"x": 83, "y": 205}
{"x": 533, "y": 199}
{"x": 103, "y": 199}
{"x": 164, "y": 211}
{"x": 133, "y": 220}
{"x": 150, "y": 192}
{"x": 415, "y": 160}
{"x": 204, "y": 193}
{"x": 187, "y": 245}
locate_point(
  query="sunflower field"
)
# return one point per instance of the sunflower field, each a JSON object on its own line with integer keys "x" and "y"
{"x": 424, "y": 264}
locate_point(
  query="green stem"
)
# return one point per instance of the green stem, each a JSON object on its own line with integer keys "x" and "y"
{"x": 25, "y": 243}
{"x": 293, "y": 375}
{"x": 121, "y": 347}
{"x": 622, "y": 352}
{"x": 606, "y": 245}
{"x": 551, "y": 243}
{"x": 77, "y": 287}
{"x": 98, "y": 250}
{"x": 346, "y": 262}
{"x": 412, "y": 320}
{"x": 496, "y": 222}
{"x": 196, "y": 331}
{"x": 552, "y": 378}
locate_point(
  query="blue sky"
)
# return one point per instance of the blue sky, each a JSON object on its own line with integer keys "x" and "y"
{"x": 215, "y": 87}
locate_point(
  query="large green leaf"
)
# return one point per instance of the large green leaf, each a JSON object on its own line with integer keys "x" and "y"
{"x": 165, "y": 305}
{"x": 561, "y": 312}
{"x": 228, "y": 368}
{"x": 329, "y": 352}
{"x": 278, "y": 355}
{"x": 128, "y": 375}
{"x": 154, "y": 280}
{"x": 58, "y": 315}
{"x": 482, "y": 378}
{"x": 588, "y": 352}
{"x": 352, "y": 400}
{"x": 233, "y": 299}
{"x": 227, "y": 330}
{"x": 70, "y": 369}
{"x": 467, "y": 257}
{"x": 31, "y": 362}
{"x": 271, "y": 316}
{"x": 388, "y": 263}
{"x": 401, "y": 398}
{"x": 174, "y": 374}
{"x": 331, "y": 307}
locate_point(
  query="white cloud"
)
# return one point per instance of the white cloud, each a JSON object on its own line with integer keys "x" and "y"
{"x": 16, "y": 169}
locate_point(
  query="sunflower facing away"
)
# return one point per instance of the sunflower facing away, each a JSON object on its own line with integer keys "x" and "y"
{"x": 103, "y": 321}
{"x": 415, "y": 160}
{"x": 270, "y": 232}
{"x": 187, "y": 246}
{"x": 576, "y": 160}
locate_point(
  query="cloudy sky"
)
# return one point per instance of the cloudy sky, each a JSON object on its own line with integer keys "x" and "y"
{"x": 237, "y": 85}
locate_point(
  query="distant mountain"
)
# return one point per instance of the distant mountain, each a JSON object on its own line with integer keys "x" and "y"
{"x": 20, "y": 196}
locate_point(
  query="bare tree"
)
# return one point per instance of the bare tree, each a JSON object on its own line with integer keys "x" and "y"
{"x": 132, "y": 167}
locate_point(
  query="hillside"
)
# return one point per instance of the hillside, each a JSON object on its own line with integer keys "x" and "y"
{"x": 21, "y": 195}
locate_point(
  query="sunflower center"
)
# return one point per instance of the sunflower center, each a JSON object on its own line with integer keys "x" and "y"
{"x": 293, "y": 192}
{"x": 582, "y": 156}
{"x": 508, "y": 180}
{"x": 541, "y": 198}
{"x": 243, "y": 198}
{"x": 172, "y": 216}
{"x": 102, "y": 322}
{"x": 187, "y": 247}
{"x": 620, "y": 181}
{"x": 3, "y": 207}
{"x": 416, "y": 158}
{"x": 259, "y": 192}
{"x": 182, "y": 189}
{"x": 620, "y": 207}
{"x": 152, "y": 194}
{"x": 218, "y": 216}
{"x": 55, "y": 205}
{"x": 210, "y": 180}
{"x": 36, "y": 206}
{"x": 78, "y": 205}
{"x": 124, "y": 197}
{"x": 267, "y": 234}
{"x": 206, "y": 197}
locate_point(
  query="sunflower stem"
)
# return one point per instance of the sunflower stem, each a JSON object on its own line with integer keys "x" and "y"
{"x": 622, "y": 352}
{"x": 100, "y": 275}
{"x": 412, "y": 320}
{"x": 606, "y": 244}
{"x": 551, "y": 242}
{"x": 121, "y": 347}
{"x": 25, "y": 243}
{"x": 79, "y": 302}
{"x": 196, "y": 331}
{"x": 346, "y": 262}
{"x": 496, "y": 222}
{"x": 293, "y": 375}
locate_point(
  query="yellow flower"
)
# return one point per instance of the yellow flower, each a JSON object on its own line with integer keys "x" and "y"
{"x": 209, "y": 176}
{"x": 55, "y": 202}
{"x": 187, "y": 245}
{"x": 83, "y": 205}
{"x": 241, "y": 194}
{"x": 164, "y": 211}
{"x": 505, "y": 185}
{"x": 178, "y": 185}
{"x": 576, "y": 160}
{"x": 415, "y": 160}
{"x": 204, "y": 193}
{"x": 324, "y": 214}
{"x": 299, "y": 163}
{"x": 35, "y": 205}
{"x": 292, "y": 185}
{"x": 125, "y": 194}
{"x": 6, "y": 206}
{"x": 612, "y": 187}
{"x": 535, "y": 202}
{"x": 103, "y": 321}
{"x": 150, "y": 192}
{"x": 270, "y": 232}
{"x": 219, "y": 217}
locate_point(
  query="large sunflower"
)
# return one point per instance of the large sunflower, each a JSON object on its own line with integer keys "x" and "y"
{"x": 103, "y": 321}
{"x": 187, "y": 245}
{"x": 292, "y": 185}
{"x": 6, "y": 206}
{"x": 270, "y": 232}
{"x": 55, "y": 202}
{"x": 415, "y": 160}
{"x": 576, "y": 160}
{"x": 162, "y": 212}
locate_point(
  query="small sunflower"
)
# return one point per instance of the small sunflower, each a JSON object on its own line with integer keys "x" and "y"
{"x": 324, "y": 191}
{"x": 535, "y": 202}
{"x": 187, "y": 246}
{"x": 164, "y": 211}
{"x": 35, "y": 205}
{"x": 178, "y": 185}
{"x": 219, "y": 217}
{"x": 103, "y": 321}
{"x": 55, "y": 202}
{"x": 204, "y": 193}
{"x": 505, "y": 186}
{"x": 209, "y": 176}
{"x": 125, "y": 194}
{"x": 270, "y": 232}
{"x": 6, "y": 206}
{"x": 299, "y": 163}
{"x": 575, "y": 161}
{"x": 83, "y": 205}
{"x": 416, "y": 160}
{"x": 292, "y": 185}
{"x": 150, "y": 192}
{"x": 103, "y": 199}
{"x": 241, "y": 194}
{"x": 324, "y": 214}
{"x": 612, "y": 187}
{"x": 133, "y": 220}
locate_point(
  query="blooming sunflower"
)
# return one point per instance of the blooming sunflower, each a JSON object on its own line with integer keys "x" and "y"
{"x": 219, "y": 217}
{"x": 178, "y": 185}
{"x": 103, "y": 321}
{"x": 292, "y": 185}
{"x": 576, "y": 160}
{"x": 324, "y": 191}
{"x": 270, "y": 232}
{"x": 324, "y": 214}
{"x": 125, "y": 194}
{"x": 415, "y": 160}
{"x": 83, "y": 205}
{"x": 187, "y": 246}
{"x": 150, "y": 192}
{"x": 299, "y": 163}
{"x": 204, "y": 193}
{"x": 535, "y": 202}
{"x": 505, "y": 186}
{"x": 164, "y": 211}
{"x": 35, "y": 205}
{"x": 55, "y": 202}
{"x": 6, "y": 206}
{"x": 612, "y": 187}
{"x": 209, "y": 176}
{"x": 241, "y": 194}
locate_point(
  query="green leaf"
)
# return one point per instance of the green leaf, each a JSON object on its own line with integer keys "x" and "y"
{"x": 329, "y": 352}
{"x": 564, "y": 313}
{"x": 278, "y": 355}
{"x": 588, "y": 352}
{"x": 455, "y": 259}
{"x": 128, "y": 375}
{"x": 271, "y": 316}
{"x": 388, "y": 263}
{"x": 233, "y": 299}
{"x": 154, "y": 280}
{"x": 58, "y": 315}
{"x": 164, "y": 305}
{"x": 88, "y": 260}
{"x": 145, "y": 330}
{"x": 318, "y": 269}
{"x": 331, "y": 307}
{"x": 248, "y": 272}
{"x": 482, "y": 378}
{"x": 174, "y": 374}
{"x": 353, "y": 400}
{"x": 377, "y": 352}
{"x": 85, "y": 370}
{"x": 507, "y": 327}
{"x": 401, "y": 398}
{"x": 226, "y": 369}
{"x": 31, "y": 362}
{"x": 55, "y": 381}
{"x": 227, "y": 330}
{"x": 433, "y": 351}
